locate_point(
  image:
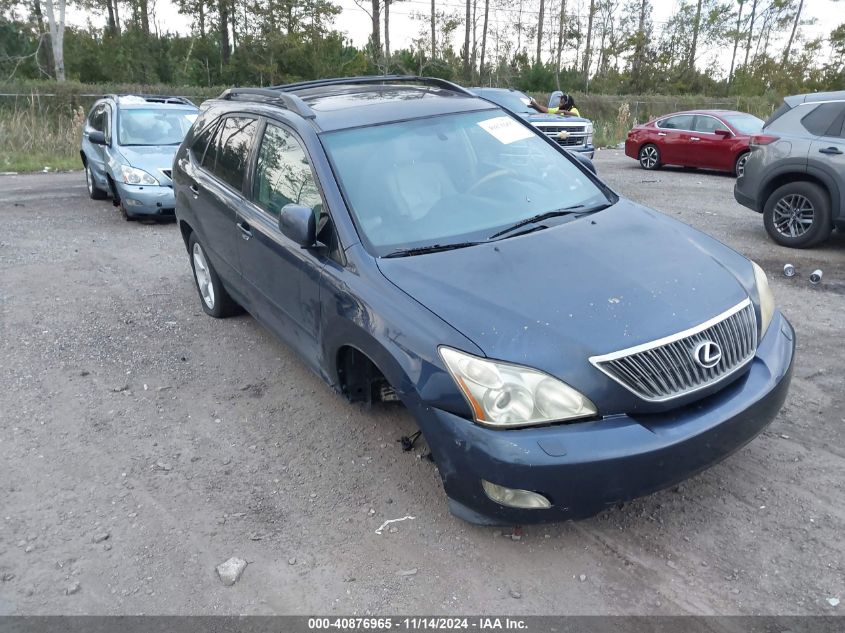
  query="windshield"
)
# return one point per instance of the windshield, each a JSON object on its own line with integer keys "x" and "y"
{"x": 745, "y": 123}
{"x": 513, "y": 101}
{"x": 452, "y": 179}
{"x": 153, "y": 126}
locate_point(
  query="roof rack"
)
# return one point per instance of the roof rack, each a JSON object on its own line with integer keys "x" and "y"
{"x": 291, "y": 102}
{"x": 154, "y": 98}
{"x": 375, "y": 79}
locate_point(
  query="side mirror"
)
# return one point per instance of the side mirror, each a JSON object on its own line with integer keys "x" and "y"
{"x": 723, "y": 133}
{"x": 297, "y": 222}
{"x": 97, "y": 137}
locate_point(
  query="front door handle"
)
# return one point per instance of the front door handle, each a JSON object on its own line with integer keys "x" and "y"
{"x": 661, "y": 134}
{"x": 195, "y": 189}
{"x": 830, "y": 150}
{"x": 694, "y": 138}
{"x": 246, "y": 233}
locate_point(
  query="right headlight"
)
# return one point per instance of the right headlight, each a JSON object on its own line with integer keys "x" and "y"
{"x": 767, "y": 299}
{"x": 507, "y": 396}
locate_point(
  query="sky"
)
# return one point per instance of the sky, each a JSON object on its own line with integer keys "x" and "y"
{"x": 356, "y": 23}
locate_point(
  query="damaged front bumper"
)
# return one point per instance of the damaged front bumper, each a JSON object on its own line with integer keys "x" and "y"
{"x": 583, "y": 468}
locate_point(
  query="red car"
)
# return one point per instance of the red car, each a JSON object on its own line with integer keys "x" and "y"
{"x": 712, "y": 139}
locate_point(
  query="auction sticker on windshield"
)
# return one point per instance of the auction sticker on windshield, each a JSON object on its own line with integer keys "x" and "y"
{"x": 505, "y": 130}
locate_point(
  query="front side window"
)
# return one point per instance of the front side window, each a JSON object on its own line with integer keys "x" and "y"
{"x": 96, "y": 120}
{"x": 453, "y": 179}
{"x": 153, "y": 126}
{"x": 283, "y": 174}
{"x": 745, "y": 123}
{"x": 227, "y": 154}
{"x": 680, "y": 122}
{"x": 708, "y": 125}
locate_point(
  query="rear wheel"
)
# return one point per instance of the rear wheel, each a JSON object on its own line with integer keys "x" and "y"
{"x": 649, "y": 157}
{"x": 93, "y": 190}
{"x": 739, "y": 165}
{"x": 797, "y": 215}
{"x": 214, "y": 299}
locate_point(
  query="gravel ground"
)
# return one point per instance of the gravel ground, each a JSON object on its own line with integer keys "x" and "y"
{"x": 144, "y": 443}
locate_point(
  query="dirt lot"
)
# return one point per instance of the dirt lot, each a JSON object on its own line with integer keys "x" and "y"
{"x": 125, "y": 411}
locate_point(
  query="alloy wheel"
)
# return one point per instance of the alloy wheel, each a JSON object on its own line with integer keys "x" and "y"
{"x": 203, "y": 276}
{"x": 793, "y": 215}
{"x": 740, "y": 165}
{"x": 648, "y": 157}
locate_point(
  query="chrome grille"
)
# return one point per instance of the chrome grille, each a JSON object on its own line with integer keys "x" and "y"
{"x": 572, "y": 141}
{"x": 667, "y": 368}
{"x": 554, "y": 129}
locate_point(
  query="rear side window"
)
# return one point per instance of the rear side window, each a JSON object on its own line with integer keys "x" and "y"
{"x": 227, "y": 155}
{"x": 783, "y": 109}
{"x": 825, "y": 119}
{"x": 200, "y": 143}
{"x": 680, "y": 122}
{"x": 283, "y": 174}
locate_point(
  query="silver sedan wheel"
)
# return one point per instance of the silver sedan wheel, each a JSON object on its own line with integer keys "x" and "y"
{"x": 203, "y": 274}
{"x": 740, "y": 165}
{"x": 89, "y": 180}
{"x": 793, "y": 215}
{"x": 648, "y": 157}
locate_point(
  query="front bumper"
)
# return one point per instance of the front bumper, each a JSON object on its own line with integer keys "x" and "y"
{"x": 146, "y": 199}
{"x": 588, "y": 150}
{"x": 583, "y": 468}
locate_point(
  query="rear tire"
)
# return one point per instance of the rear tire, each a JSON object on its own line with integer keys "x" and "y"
{"x": 214, "y": 299}
{"x": 798, "y": 215}
{"x": 93, "y": 190}
{"x": 739, "y": 164}
{"x": 649, "y": 157}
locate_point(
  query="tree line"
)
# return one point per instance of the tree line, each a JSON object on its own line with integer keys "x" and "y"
{"x": 605, "y": 46}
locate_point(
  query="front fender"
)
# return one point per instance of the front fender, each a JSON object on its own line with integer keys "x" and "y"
{"x": 363, "y": 310}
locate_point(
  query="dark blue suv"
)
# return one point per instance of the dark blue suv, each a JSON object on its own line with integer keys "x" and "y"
{"x": 561, "y": 348}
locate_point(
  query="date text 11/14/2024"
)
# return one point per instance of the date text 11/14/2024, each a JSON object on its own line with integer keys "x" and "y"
{"x": 417, "y": 623}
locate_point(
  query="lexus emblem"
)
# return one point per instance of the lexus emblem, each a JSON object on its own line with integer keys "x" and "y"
{"x": 707, "y": 354}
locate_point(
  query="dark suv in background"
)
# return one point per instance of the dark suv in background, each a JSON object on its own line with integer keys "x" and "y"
{"x": 561, "y": 348}
{"x": 795, "y": 175}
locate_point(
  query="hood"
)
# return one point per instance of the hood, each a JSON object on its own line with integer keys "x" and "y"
{"x": 150, "y": 158}
{"x": 598, "y": 284}
{"x": 552, "y": 118}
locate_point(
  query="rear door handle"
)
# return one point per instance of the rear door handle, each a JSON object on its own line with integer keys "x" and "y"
{"x": 694, "y": 138}
{"x": 246, "y": 233}
{"x": 830, "y": 150}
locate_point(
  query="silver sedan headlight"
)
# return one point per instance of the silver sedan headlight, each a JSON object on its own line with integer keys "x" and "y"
{"x": 767, "y": 299}
{"x": 505, "y": 395}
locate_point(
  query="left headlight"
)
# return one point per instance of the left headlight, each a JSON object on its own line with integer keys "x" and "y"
{"x": 505, "y": 395}
{"x": 135, "y": 176}
{"x": 588, "y": 128}
{"x": 767, "y": 299}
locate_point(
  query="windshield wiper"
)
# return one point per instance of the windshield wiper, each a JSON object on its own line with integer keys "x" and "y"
{"x": 575, "y": 208}
{"x": 431, "y": 248}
